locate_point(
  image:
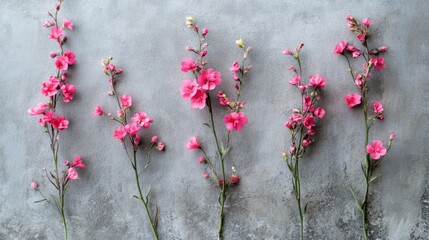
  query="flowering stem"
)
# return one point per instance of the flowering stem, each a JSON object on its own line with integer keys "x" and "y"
{"x": 142, "y": 199}
{"x": 297, "y": 192}
{"x": 367, "y": 169}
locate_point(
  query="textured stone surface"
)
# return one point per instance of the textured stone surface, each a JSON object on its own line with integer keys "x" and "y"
{"x": 147, "y": 39}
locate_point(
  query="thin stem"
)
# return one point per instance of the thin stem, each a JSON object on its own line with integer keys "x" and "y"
{"x": 367, "y": 170}
{"x": 144, "y": 202}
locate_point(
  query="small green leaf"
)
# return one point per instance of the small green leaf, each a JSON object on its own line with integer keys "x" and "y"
{"x": 357, "y": 202}
{"x": 134, "y": 196}
{"x": 207, "y": 125}
{"x": 43, "y": 200}
{"x": 305, "y": 208}
{"x": 373, "y": 179}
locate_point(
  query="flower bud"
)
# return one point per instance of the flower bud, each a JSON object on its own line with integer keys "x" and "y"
{"x": 205, "y": 175}
{"x": 287, "y": 52}
{"x": 240, "y": 43}
{"x": 201, "y": 160}
{"x": 67, "y": 163}
{"x": 34, "y": 185}
{"x": 205, "y": 31}
{"x": 392, "y": 136}
{"x": 119, "y": 71}
{"x": 110, "y": 93}
{"x": 190, "y": 22}
{"x": 53, "y": 54}
{"x": 154, "y": 139}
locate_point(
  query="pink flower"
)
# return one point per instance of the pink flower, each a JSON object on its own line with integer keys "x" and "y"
{"x": 295, "y": 80}
{"x": 34, "y": 185}
{"x": 61, "y": 63}
{"x": 193, "y": 143}
{"x": 120, "y": 133}
{"x": 72, "y": 174}
{"x": 132, "y": 129}
{"x": 47, "y": 118}
{"x": 77, "y": 162}
{"x": 308, "y": 121}
{"x": 37, "y": 110}
{"x": 307, "y": 101}
{"x": 235, "y": 121}
{"x": 160, "y": 146}
{"x": 317, "y": 81}
{"x": 209, "y": 79}
{"x": 319, "y": 112}
{"x": 188, "y": 89}
{"x": 306, "y": 142}
{"x": 392, "y": 136}
{"x": 189, "y": 65}
{"x": 126, "y": 101}
{"x": 288, "y": 125}
{"x": 235, "y": 67}
{"x": 201, "y": 160}
{"x": 378, "y": 107}
{"x": 154, "y": 139}
{"x": 68, "y": 24}
{"x": 137, "y": 140}
{"x": 382, "y": 49}
{"x": 349, "y": 18}
{"x": 287, "y": 52}
{"x": 292, "y": 68}
{"x": 339, "y": 48}
{"x": 199, "y": 99}
{"x": 205, "y": 31}
{"x": 296, "y": 118}
{"x": 71, "y": 57}
{"x": 234, "y": 179}
{"x": 367, "y": 22}
{"x": 67, "y": 163}
{"x": 59, "y": 123}
{"x": 50, "y": 87}
{"x": 356, "y": 54}
{"x": 206, "y": 175}
{"x": 68, "y": 90}
{"x": 376, "y": 149}
{"x": 142, "y": 119}
{"x": 56, "y": 33}
{"x": 378, "y": 63}
{"x": 352, "y": 100}
{"x": 98, "y": 111}
{"x": 120, "y": 113}
{"x": 222, "y": 98}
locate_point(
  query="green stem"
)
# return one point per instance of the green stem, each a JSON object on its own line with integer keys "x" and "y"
{"x": 367, "y": 170}
{"x": 144, "y": 202}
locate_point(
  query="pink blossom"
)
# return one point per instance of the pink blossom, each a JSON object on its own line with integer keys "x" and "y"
{"x": 292, "y": 68}
{"x": 120, "y": 133}
{"x": 193, "y": 143}
{"x": 47, "y": 118}
{"x": 56, "y": 33}
{"x": 71, "y": 57}
{"x": 317, "y": 81}
{"x": 68, "y": 24}
{"x": 291, "y": 149}
{"x": 120, "y": 113}
{"x": 68, "y": 90}
{"x": 201, "y": 160}
{"x": 204, "y": 31}
{"x": 50, "y": 87}
{"x": 203, "y": 53}
{"x": 287, "y": 52}
{"x": 392, "y": 136}
{"x": 77, "y": 162}
{"x": 126, "y": 101}
{"x": 376, "y": 149}
{"x": 61, "y": 63}
{"x": 302, "y": 88}
{"x": 308, "y": 121}
{"x": 132, "y": 129}
{"x": 199, "y": 99}
{"x": 349, "y": 18}
{"x": 382, "y": 49}
{"x": 356, "y": 54}
{"x": 319, "y": 112}
{"x": 378, "y": 63}
{"x": 209, "y": 79}
{"x": 295, "y": 80}
{"x": 160, "y": 146}
{"x": 59, "y": 123}
{"x": 235, "y": 121}
{"x": 188, "y": 89}
{"x": 235, "y": 67}
{"x": 142, "y": 119}
{"x": 352, "y": 100}
{"x": 189, "y": 65}
{"x": 67, "y": 163}
{"x": 352, "y": 48}
{"x": 98, "y": 111}
{"x": 307, "y": 101}
{"x": 378, "y": 107}
{"x": 222, "y": 98}
{"x": 296, "y": 118}
{"x": 339, "y": 48}
{"x": 306, "y": 142}
{"x": 311, "y": 131}
{"x": 137, "y": 140}
{"x": 358, "y": 80}
{"x": 205, "y": 175}
{"x": 288, "y": 125}
{"x": 234, "y": 179}
{"x": 72, "y": 174}
{"x": 34, "y": 185}
{"x": 154, "y": 139}
{"x": 53, "y": 54}
{"x": 361, "y": 37}
{"x": 37, "y": 110}
{"x": 367, "y": 22}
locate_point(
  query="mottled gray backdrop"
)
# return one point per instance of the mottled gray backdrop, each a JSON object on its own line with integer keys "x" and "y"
{"x": 147, "y": 39}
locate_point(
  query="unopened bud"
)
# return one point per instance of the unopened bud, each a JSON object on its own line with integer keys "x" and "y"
{"x": 240, "y": 43}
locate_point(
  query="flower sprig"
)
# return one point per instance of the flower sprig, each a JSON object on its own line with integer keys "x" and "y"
{"x": 57, "y": 88}
{"x": 128, "y": 134}
{"x": 198, "y": 92}
{"x": 302, "y": 125}
{"x": 375, "y": 151}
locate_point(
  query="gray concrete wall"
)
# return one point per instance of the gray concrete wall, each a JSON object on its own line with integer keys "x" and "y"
{"x": 147, "y": 39}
